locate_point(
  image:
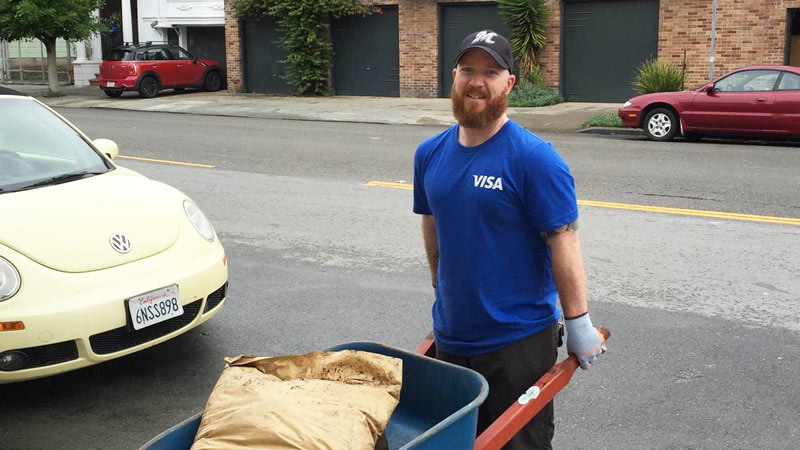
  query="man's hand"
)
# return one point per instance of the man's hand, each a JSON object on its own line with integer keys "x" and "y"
{"x": 584, "y": 340}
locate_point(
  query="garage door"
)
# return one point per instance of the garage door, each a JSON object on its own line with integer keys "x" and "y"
{"x": 366, "y": 54}
{"x": 603, "y": 44}
{"x": 208, "y": 43}
{"x": 262, "y": 71}
{"x": 455, "y": 23}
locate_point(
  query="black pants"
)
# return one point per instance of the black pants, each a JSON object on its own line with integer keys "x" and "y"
{"x": 510, "y": 371}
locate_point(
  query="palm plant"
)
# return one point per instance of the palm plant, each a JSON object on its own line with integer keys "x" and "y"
{"x": 529, "y": 21}
{"x": 657, "y": 76}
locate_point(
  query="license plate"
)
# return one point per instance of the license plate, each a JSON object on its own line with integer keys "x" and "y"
{"x": 111, "y": 84}
{"x": 153, "y": 307}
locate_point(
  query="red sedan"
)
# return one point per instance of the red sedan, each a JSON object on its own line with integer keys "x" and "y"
{"x": 758, "y": 100}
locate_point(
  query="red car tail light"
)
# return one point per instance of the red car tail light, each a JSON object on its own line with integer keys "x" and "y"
{"x": 132, "y": 69}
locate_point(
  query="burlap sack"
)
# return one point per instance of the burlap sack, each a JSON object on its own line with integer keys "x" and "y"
{"x": 324, "y": 400}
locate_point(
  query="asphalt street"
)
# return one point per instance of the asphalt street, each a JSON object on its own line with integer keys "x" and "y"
{"x": 704, "y": 311}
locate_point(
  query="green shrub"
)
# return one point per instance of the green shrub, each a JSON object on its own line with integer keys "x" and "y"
{"x": 603, "y": 120}
{"x": 530, "y": 93}
{"x": 657, "y": 76}
{"x": 535, "y": 76}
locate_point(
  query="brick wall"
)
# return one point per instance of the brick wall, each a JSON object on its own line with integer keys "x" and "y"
{"x": 419, "y": 48}
{"x": 749, "y": 32}
{"x": 233, "y": 48}
{"x": 550, "y": 57}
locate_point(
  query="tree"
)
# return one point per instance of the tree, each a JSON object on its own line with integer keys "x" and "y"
{"x": 48, "y": 20}
{"x": 529, "y": 21}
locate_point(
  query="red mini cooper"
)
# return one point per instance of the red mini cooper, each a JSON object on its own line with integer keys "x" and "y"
{"x": 149, "y": 67}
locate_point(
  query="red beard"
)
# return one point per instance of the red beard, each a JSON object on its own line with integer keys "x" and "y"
{"x": 494, "y": 108}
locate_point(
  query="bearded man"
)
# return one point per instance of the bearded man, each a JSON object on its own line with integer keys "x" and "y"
{"x": 499, "y": 224}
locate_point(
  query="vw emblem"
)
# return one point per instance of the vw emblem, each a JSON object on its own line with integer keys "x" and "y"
{"x": 120, "y": 243}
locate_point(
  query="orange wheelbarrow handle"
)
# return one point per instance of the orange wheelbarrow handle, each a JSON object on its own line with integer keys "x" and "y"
{"x": 529, "y": 404}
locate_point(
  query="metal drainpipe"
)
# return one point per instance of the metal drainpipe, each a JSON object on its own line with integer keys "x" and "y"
{"x": 713, "y": 39}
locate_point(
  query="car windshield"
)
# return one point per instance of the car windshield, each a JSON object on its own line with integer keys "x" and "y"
{"x": 37, "y": 148}
{"x": 118, "y": 54}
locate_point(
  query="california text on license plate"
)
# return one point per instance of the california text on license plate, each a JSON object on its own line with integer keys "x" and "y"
{"x": 111, "y": 84}
{"x": 154, "y": 307}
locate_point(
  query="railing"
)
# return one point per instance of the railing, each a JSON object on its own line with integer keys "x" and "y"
{"x": 25, "y": 69}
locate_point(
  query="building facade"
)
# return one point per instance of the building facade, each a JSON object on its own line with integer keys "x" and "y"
{"x": 196, "y": 25}
{"x": 592, "y": 51}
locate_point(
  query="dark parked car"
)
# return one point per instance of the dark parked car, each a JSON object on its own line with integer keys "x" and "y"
{"x": 149, "y": 67}
{"x": 758, "y": 100}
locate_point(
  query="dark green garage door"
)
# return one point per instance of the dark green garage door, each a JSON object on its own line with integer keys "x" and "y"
{"x": 455, "y": 23}
{"x": 603, "y": 44}
{"x": 366, "y": 54}
{"x": 262, "y": 71}
{"x": 208, "y": 43}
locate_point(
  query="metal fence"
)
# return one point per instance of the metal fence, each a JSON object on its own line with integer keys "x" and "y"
{"x": 25, "y": 62}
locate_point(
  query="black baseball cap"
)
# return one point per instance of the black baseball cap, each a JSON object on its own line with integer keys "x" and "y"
{"x": 492, "y": 43}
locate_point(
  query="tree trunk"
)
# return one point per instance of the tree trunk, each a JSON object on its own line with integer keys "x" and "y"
{"x": 52, "y": 67}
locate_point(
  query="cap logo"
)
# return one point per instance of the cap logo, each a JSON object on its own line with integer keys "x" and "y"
{"x": 485, "y": 36}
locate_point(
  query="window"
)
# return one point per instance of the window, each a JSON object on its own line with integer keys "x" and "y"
{"x": 789, "y": 82}
{"x": 179, "y": 53}
{"x": 118, "y": 55}
{"x": 37, "y": 144}
{"x": 156, "y": 54}
{"x": 748, "y": 80}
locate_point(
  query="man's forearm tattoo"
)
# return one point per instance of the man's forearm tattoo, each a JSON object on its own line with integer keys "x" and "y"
{"x": 572, "y": 226}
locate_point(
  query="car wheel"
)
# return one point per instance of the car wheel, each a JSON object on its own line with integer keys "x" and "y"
{"x": 148, "y": 88}
{"x": 113, "y": 94}
{"x": 661, "y": 124}
{"x": 213, "y": 81}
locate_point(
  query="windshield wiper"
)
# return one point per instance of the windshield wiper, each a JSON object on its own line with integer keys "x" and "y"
{"x": 63, "y": 178}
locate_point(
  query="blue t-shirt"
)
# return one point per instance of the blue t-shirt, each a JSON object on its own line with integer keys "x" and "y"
{"x": 490, "y": 203}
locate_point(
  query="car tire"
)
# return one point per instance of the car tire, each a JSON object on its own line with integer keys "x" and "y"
{"x": 148, "y": 88}
{"x": 212, "y": 81}
{"x": 112, "y": 94}
{"x": 660, "y": 124}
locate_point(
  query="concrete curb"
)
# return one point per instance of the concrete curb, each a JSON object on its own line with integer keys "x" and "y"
{"x": 559, "y": 118}
{"x": 612, "y": 131}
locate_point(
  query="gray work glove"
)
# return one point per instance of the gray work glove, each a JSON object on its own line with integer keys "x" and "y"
{"x": 584, "y": 340}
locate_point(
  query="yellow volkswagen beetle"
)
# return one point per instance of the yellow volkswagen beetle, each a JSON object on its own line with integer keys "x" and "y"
{"x": 96, "y": 261}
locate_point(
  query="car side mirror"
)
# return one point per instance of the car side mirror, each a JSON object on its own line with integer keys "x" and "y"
{"x": 106, "y": 147}
{"x": 711, "y": 89}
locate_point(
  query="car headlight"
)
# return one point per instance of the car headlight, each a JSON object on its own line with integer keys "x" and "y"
{"x": 199, "y": 220}
{"x": 9, "y": 280}
{"x": 626, "y": 104}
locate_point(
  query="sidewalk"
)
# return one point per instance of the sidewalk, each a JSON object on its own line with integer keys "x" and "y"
{"x": 386, "y": 110}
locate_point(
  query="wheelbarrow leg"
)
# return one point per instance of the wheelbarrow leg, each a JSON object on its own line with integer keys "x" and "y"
{"x": 427, "y": 347}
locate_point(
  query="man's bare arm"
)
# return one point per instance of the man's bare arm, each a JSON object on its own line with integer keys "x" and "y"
{"x": 431, "y": 245}
{"x": 568, "y": 271}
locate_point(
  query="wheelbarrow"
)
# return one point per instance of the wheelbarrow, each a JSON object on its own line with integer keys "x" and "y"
{"x": 438, "y": 407}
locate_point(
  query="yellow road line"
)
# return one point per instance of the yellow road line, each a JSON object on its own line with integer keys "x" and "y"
{"x": 405, "y": 186}
{"x": 694, "y": 212}
{"x": 166, "y": 161}
{"x": 645, "y": 208}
